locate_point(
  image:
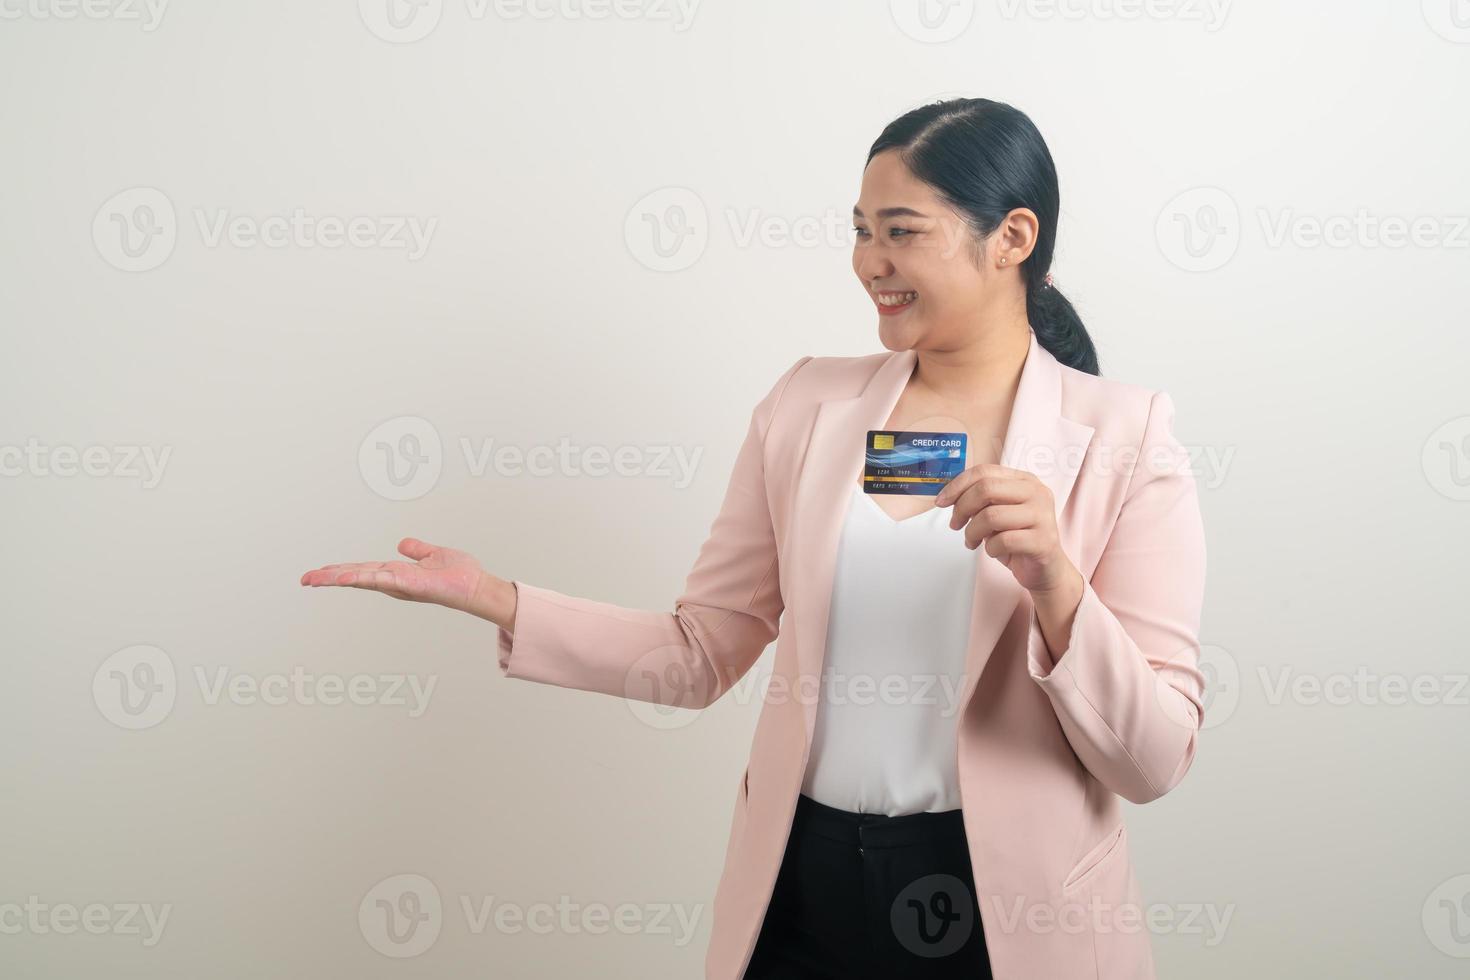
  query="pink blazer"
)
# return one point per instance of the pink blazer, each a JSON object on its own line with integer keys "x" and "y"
{"x": 1048, "y": 740}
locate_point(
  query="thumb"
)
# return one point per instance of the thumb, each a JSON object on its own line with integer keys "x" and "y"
{"x": 415, "y": 549}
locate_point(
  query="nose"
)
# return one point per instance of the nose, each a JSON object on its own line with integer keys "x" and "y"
{"x": 872, "y": 266}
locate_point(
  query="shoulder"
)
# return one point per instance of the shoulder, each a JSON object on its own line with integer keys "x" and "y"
{"x": 812, "y": 379}
{"x": 1133, "y": 437}
{"x": 1121, "y": 412}
{"x": 829, "y": 376}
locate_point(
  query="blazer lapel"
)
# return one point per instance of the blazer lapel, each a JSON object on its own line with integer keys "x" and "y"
{"x": 1037, "y": 439}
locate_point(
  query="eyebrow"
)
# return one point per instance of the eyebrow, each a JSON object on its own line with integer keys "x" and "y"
{"x": 890, "y": 212}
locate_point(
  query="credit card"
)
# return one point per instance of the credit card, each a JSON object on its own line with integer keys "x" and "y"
{"x": 914, "y": 463}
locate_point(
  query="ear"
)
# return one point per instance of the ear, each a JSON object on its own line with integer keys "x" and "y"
{"x": 1018, "y": 233}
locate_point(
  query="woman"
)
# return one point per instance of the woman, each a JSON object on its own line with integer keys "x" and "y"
{"x": 952, "y": 824}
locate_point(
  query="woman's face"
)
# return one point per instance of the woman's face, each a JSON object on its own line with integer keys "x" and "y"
{"x": 912, "y": 247}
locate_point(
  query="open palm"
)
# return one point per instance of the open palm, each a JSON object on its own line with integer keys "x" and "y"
{"x": 436, "y": 574}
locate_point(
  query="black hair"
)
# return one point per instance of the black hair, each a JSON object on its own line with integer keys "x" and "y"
{"x": 984, "y": 158}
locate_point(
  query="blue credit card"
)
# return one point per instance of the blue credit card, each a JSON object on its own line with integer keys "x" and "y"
{"x": 915, "y": 463}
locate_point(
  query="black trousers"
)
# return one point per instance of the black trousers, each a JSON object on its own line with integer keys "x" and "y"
{"x": 862, "y": 896}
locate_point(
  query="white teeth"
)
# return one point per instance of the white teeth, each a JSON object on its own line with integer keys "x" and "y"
{"x": 896, "y": 299}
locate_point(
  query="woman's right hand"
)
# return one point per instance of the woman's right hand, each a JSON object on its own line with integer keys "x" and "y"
{"x": 440, "y": 575}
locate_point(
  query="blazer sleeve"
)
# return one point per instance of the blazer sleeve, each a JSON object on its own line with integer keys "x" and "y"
{"x": 1128, "y": 689}
{"x": 726, "y": 616}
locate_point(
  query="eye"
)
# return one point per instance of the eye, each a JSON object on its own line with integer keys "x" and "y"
{"x": 859, "y": 231}
{"x": 894, "y": 231}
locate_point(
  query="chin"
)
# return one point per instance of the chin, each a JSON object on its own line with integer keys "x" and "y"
{"x": 896, "y": 338}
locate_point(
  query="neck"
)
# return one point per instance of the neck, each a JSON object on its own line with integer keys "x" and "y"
{"x": 983, "y": 372}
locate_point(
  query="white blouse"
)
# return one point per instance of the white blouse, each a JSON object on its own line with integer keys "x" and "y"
{"x": 887, "y": 716}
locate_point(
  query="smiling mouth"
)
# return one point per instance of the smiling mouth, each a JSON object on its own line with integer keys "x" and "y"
{"x": 890, "y": 301}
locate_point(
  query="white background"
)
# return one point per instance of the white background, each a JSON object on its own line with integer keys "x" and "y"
{"x": 1321, "y": 386}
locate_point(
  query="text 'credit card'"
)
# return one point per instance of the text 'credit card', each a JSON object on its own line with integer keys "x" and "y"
{"x": 916, "y": 463}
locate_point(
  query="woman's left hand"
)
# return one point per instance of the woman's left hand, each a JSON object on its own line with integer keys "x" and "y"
{"x": 1014, "y": 514}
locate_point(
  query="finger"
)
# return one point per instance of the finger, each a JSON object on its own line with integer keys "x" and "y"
{"x": 329, "y": 574}
{"x": 373, "y": 579}
{"x": 1006, "y": 545}
{"x": 317, "y": 575}
{"x": 965, "y": 478}
{"x": 988, "y": 491}
{"x": 997, "y": 518}
{"x": 416, "y": 549}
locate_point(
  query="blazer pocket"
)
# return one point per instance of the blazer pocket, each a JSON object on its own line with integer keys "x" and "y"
{"x": 1095, "y": 858}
